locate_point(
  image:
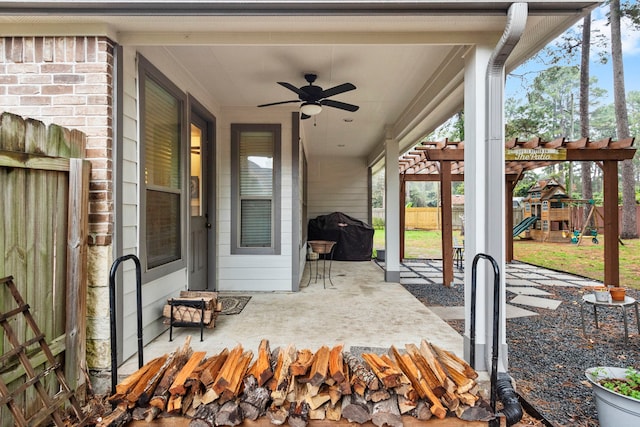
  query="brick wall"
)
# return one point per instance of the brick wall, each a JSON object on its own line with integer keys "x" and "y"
{"x": 67, "y": 81}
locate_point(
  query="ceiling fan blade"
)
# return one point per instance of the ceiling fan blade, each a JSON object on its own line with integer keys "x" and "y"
{"x": 278, "y": 103}
{"x": 345, "y": 87}
{"x": 292, "y": 88}
{"x": 304, "y": 116}
{"x": 340, "y": 105}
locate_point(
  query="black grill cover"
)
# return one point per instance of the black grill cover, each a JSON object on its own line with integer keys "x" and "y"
{"x": 354, "y": 238}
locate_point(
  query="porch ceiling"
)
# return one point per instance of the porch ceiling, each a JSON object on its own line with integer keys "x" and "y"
{"x": 405, "y": 58}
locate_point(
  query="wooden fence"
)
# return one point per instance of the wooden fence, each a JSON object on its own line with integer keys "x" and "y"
{"x": 44, "y": 189}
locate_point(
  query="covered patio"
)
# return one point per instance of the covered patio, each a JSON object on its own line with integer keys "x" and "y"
{"x": 359, "y": 310}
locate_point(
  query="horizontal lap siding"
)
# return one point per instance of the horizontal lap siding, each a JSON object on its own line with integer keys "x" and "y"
{"x": 338, "y": 185}
{"x": 253, "y": 272}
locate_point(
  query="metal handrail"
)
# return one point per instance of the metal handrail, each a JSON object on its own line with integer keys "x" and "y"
{"x": 112, "y": 315}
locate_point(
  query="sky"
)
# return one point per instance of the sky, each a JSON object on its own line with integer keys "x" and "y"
{"x": 603, "y": 72}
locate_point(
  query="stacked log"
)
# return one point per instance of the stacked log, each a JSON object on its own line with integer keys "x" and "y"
{"x": 295, "y": 386}
{"x": 190, "y": 314}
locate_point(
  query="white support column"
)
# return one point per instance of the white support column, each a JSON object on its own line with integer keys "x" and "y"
{"x": 475, "y": 189}
{"x": 392, "y": 210}
{"x": 488, "y": 188}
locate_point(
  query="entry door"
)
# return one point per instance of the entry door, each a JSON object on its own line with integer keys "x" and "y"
{"x": 200, "y": 222}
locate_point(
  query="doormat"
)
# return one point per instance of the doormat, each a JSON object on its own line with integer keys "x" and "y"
{"x": 233, "y": 304}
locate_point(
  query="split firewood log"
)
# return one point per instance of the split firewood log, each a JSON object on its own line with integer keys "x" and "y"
{"x": 317, "y": 397}
{"x": 422, "y": 411}
{"x": 261, "y": 368}
{"x": 436, "y": 366}
{"x": 455, "y": 370}
{"x": 205, "y": 413}
{"x": 333, "y": 411}
{"x": 320, "y": 367}
{"x": 336, "y": 364}
{"x": 149, "y": 390}
{"x": 424, "y": 391}
{"x": 210, "y": 373}
{"x": 128, "y": 383}
{"x": 386, "y": 412}
{"x": 387, "y": 374}
{"x": 377, "y": 395}
{"x": 161, "y": 394}
{"x": 361, "y": 374}
{"x": 229, "y": 414}
{"x": 254, "y": 400}
{"x": 232, "y": 389}
{"x": 356, "y": 409}
{"x": 178, "y": 387}
{"x": 298, "y": 414}
{"x": 120, "y": 416}
{"x": 277, "y": 414}
{"x": 319, "y": 413}
{"x": 283, "y": 379}
{"x": 431, "y": 378}
{"x": 406, "y": 405}
{"x": 435, "y": 376}
{"x": 148, "y": 381}
{"x": 302, "y": 363}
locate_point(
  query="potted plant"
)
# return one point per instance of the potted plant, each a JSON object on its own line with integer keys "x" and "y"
{"x": 601, "y": 293}
{"x": 617, "y": 395}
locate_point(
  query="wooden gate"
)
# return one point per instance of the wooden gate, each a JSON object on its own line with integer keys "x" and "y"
{"x": 44, "y": 190}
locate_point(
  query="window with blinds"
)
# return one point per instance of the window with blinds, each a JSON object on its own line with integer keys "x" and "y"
{"x": 162, "y": 128}
{"x": 255, "y": 171}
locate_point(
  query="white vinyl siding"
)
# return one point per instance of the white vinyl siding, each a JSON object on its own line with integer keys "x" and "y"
{"x": 338, "y": 184}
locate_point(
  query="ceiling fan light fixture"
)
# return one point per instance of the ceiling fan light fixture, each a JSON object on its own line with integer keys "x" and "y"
{"x": 311, "y": 108}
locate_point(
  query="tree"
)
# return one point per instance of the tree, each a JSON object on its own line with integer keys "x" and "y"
{"x": 629, "y": 220}
{"x": 585, "y": 173}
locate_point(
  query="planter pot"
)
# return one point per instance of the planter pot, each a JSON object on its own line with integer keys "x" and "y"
{"x": 601, "y": 294}
{"x": 617, "y": 294}
{"x": 614, "y": 409}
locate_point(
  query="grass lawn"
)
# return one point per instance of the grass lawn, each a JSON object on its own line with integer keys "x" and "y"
{"x": 585, "y": 260}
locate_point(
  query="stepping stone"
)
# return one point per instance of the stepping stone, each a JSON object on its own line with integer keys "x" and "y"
{"x": 536, "y": 302}
{"x": 555, "y": 282}
{"x": 527, "y": 290}
{"x": 413, "y": 281}
{"x": 520, "y": 282}
{"x": 514, "y": 312}
{"x": 532, "y": 276}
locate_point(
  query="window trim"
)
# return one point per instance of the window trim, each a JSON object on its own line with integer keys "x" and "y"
{"x": 236, "y": 131}
{"x": 146, "y": 70}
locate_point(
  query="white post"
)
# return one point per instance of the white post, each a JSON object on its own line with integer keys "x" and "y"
{"x": 475, "y": 189}
{"x": 392, "y": 210}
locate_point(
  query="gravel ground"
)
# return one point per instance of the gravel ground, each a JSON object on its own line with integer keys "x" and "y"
{"x": 548, "y": 353}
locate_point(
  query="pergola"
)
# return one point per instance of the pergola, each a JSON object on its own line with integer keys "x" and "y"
{"x": 444, "y": 162}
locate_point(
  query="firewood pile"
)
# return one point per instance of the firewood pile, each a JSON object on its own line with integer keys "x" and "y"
{"x": 295, "y": 386}
{"x": 186, "y": 308}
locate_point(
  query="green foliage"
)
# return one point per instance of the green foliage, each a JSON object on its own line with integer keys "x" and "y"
{"x": 377, "y": 190}
{"x": 628, "y": 386}
{"x": 378, "y": 223}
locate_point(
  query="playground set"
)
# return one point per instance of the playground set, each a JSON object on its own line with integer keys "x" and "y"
{"x": 551, "y": 215}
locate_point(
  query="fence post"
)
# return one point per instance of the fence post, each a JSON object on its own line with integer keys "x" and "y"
{"x": 77, "y": 239}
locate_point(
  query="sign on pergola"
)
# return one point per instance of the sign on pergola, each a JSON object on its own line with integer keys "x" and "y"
{"x": 443, "y": 161}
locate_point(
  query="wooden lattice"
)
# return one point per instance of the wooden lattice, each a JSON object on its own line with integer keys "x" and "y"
{"x": 51, "y": 408}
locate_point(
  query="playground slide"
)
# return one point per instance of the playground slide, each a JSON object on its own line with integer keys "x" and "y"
{"x": 523, "y": 225}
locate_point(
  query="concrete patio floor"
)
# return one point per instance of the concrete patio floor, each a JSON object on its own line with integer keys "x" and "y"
{"x": 359, "y": 310}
